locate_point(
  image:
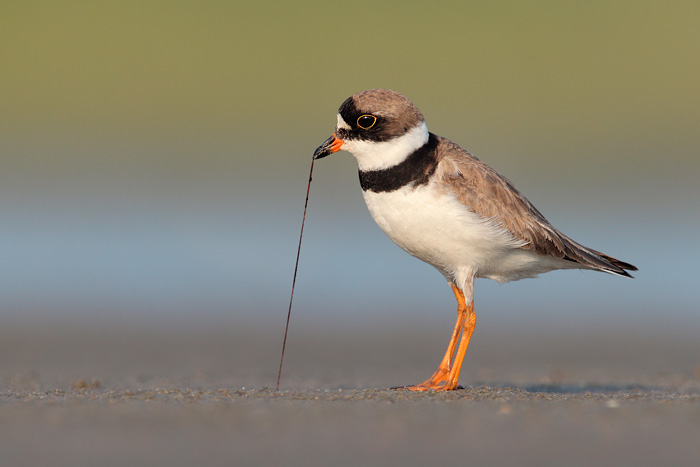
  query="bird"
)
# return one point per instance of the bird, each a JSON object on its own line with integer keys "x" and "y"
{"x": 449, "y": 209}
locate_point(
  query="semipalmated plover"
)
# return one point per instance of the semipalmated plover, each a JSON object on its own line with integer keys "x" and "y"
{"x": 446, "y": 207}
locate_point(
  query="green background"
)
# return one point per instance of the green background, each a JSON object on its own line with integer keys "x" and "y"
{"x": 154, "y": 154}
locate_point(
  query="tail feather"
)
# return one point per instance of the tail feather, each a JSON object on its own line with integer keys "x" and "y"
{"x": 620, "y": 267}
{"x": 593, "y": 259}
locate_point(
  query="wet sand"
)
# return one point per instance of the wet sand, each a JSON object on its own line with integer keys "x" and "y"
{"x": 194, "y": 395}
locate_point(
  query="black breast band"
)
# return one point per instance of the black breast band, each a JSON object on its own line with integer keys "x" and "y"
{"x": 416, "y": 169}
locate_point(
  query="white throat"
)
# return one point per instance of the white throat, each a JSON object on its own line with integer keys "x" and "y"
{"x": 373, "y": 155}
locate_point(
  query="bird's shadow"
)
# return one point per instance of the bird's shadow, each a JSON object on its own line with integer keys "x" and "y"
{"x": 564, "y": 388}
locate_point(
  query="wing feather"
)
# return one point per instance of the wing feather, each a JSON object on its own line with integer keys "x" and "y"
{"x": 492, "y": 196}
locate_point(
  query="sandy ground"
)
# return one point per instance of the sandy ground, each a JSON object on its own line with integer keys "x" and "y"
{"x": 120, "y": 395}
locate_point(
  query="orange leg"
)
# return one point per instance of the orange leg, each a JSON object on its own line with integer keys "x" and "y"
{"x": 447, "y": 374}
{"x": 444, "y": 369}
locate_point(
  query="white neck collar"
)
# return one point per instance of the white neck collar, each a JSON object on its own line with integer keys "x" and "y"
{"x": 373, "y": 155}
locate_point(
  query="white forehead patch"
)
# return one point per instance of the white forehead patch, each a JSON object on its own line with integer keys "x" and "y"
{"x": 341, "y": 124}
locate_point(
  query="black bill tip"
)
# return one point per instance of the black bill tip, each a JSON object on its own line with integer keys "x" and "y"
{"x": 329, "y": 146}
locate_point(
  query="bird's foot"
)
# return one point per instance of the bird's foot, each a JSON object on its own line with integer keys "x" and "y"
{"x": 432, "y": 385}
{"x": 436, "y": 387}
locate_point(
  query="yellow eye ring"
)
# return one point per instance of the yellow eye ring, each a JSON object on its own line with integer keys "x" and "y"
{"x": 366, "y": 121}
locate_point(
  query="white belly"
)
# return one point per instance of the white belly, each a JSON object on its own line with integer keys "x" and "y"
{"x": 441, "y": 231}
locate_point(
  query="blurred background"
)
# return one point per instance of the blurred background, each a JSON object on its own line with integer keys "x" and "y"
{"x": 155, "y": 158}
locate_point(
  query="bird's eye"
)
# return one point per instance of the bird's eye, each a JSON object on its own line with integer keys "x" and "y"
{"x": 366, "y": 121}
